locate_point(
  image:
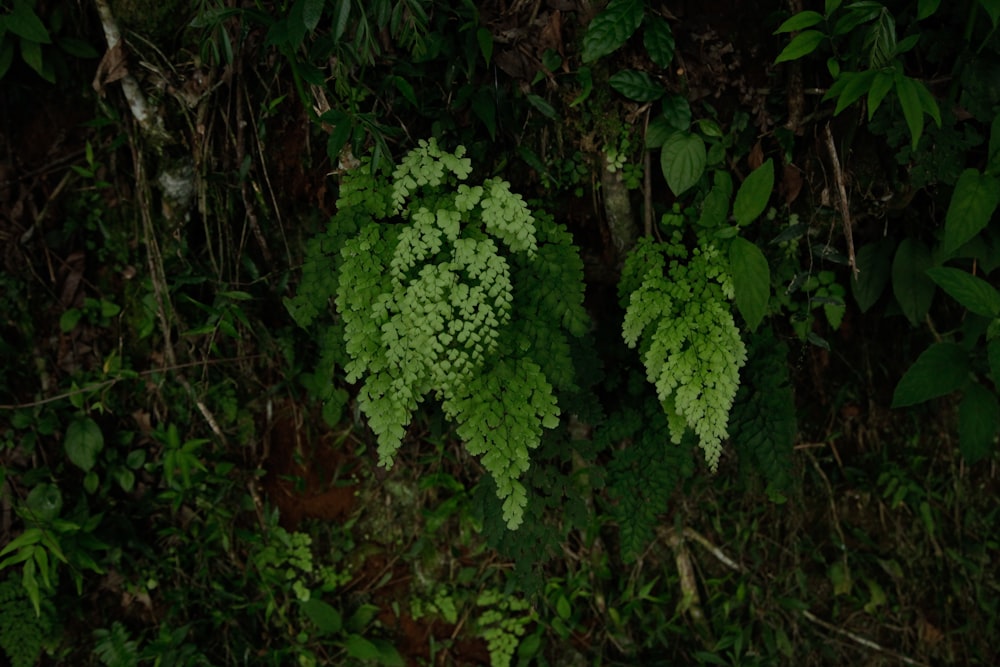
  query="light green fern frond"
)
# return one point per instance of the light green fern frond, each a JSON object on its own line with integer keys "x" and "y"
{"x": 691, "y": 347}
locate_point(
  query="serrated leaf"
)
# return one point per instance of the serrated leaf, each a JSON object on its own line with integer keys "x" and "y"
{"x": 659, "y": 41}
{"x": 683, "y": 160}
{"x": 801, "y": 45}
{"x": 978, "y": 422}
{"x": 874, "y": 262}
{"x": 971, "y": 292}
{"x": 637, "y": 86}
{"x": 610, "y": 29}
{"x": 911, "y": 285}
{"x": 24, "y": 22}
{"x": 754, "y": 193}
{"x": 941, "y": 369}
{"x": 972, "y": 205}
{"x": 800, "y": 21}
{"x": 751, "y": 280}
{"x": 83, "y": 442}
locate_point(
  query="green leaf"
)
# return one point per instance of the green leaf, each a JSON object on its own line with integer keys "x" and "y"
{"x": 31, "y": 53}
{"x": 993, "y": 355}
{"x": 715, "y": 208}
{"x": 69, "y": 319}
{"x": 683, "y": 160}
{"x": 971, "y": 292}
{"x": 800, "y": 21}
{"x": 44, "y": 502}
{"x": 659, "y": 41}
{"x": 751, "y": 280}
{"x": 913, "y": 110}
{"x": 972, "y": 205}
{"x": 340, "y": 17}
{"x": 77, "y": 48}
{"x": 24, "y": 22}
{"x": 658, "y": 131}
{"x": 978, "y": 422}
{"x": 27, "y": 538}
{"x": 84, "y": 441}
{"x": 360, "y": 648}
{"x": 926, "y": 8}
{"x": 677, "y": 112}
{"x": 485, "y": 39}
{"x": 637, "y": 86}
{"x": 753, "y": 195}
{"x": 312, "y": 12}
{"x": 323, "y": 615}
{"x": 544, "y": 107}
{"x": 610, "y": 29}
{"x": 880, "y": 86}
{"x": 910, "y": 283}
{"x": 801, "y": 45}
{"x": 856, "y": 84}
{"x": 993, "y": 158}
{"x": 941, "y": 369}
{"x": 874, "y": 262}
{"x": 992, "y": 8}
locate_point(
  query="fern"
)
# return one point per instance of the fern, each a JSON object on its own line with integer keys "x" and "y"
{"x": 762, "y": 421}
{"x": 471, "y": 301}
{"x": 115, "y": 648}
{"x": 22, "y": 631}
{"x": 679, "y": 315}
{"x": 644, "y": 474}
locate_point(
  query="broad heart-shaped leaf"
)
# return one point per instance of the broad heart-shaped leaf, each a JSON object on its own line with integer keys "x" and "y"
{"x": 874, "y": 262}
{"x": 611, "y": 28}
{"x": 683, "y": 160}
{"x": 978, "y": 422}
{"x": 637, "y": 86}
{"x": 910, "y": 282}
{"x": 658, "y": 40}
{"x": 941, "y": 369}
{"x": 751, "y": 280}
{"x": 801, "y": 45}
{"x": 83, "y": 442}
{"x": 972, "y": 205}
{"x": 753, "y": 195}
{"x": 971, "y": 292}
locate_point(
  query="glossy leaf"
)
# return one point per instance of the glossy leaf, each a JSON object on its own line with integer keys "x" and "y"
{"x": 754, "y": 194}
{"x": 972, "y": 205}
{"x": 800, "y": 21}
{"x": 978, "y": 422}
{"x": 610, "y": 29}
{"x": 638, "y": 86}
{"x": 751, "y": 280}
{"x": 971, "y": 292}
{"x": 941, "y": 369}
{"x": 683, "y": 160}
{"x": 910, "y": 284}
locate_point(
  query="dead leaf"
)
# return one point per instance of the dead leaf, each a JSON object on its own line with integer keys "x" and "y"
{"x": 756, "y": 157}
{"x": 791, "y": 183}
{"x": 111, "y": 68}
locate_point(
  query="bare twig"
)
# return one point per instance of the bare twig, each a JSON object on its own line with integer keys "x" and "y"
{"x": 845, "y": 206}
{"x": 863, "y": 641}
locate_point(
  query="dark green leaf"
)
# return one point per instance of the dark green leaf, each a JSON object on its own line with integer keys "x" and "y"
{"x": 340, "y": 17}
{"x": 751, "y": 280}
{"x": 312, "y": 12}
{"x": 485, "y": 39}
{"x": 801, "y": 45}
{"x": 856, "y": 84}
{"x": 754, "y": 193}
{"x": 360, "y": 648}
{"x": 978, "y": 422}
{"x": 31, "y": 53}
{"x": 77, "y": 48}
{"x": 971, "y": 292}
{"x": 972, "y": 205}
{"x": 544, "y": 107}
{"x": 658, "y": 131}
{"x": 874, "y": 262}
{"x": 611, "y": 28}
{"x": 926, "y": 8}
{"x": 993, "y": 162}
{"x": 637, "y": 86}
{"x": 677, "y": 111}
{"x": 913, "y": 111}
{"x": 880, "y": 86}
{"x": 715, "y": 208}
{"x": 800, "y": 21}
{"x": 323, "y": 615}
{"x": 941, "y": 369}
{"x": 993, "y": 355}
{"x": 910, "y": 283}
{"x": 659, "y": 41}
{"x": 992, "y": 8}
{"x": 83, "y": 442}
{"x": 23, "y": 22}
{"x": 44, "y": 502}
{"x": 683, "y": 161}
